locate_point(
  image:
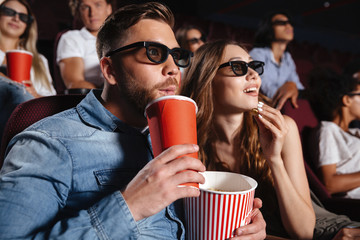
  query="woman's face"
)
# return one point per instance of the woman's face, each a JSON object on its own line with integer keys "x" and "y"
{"x": 12, "y": 26}
{"x": 234, "y": 93}
{"x": 283, "y": 30}
{"x": 194, "y": 39}
{"x": 354, "y": 106}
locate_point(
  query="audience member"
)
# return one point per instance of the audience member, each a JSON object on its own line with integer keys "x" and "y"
{"x": 336, "y": 102}
{"x": 190, "y": 37}
{"x": 18, "y": 30}
{"x": 332, "y": 226}
{"x": 86, "y": 173}
{"x": 280, "y": 80}
{"x": 353, "y": 69}
{"x": 11, "y": 95}
{"x": 76, "y": 51}
{"x": 224, "y": 81}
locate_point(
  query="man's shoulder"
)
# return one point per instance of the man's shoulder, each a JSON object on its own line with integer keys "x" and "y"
{"x": 66, "y": 124}
{"x": 71, "y": 34}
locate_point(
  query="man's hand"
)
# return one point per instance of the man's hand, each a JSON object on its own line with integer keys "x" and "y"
{"x": 286, "y": 91}
{"x": 256, "y": 229}
{"x": 157, "y": 184}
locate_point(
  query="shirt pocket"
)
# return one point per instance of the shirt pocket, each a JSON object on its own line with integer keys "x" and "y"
{"x": 114, "y": 179}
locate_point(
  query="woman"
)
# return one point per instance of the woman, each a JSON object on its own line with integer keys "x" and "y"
{"x": 336, "y": 102}
{"x": 224, "y": 81}
{"x": 18, "y": 30}
{"x": 280, "y": 80}
{"x": 190, "y": 37}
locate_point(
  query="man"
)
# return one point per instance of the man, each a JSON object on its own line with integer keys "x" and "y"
{"x": 86, "y": 173}
{"x": 76, "y": 51}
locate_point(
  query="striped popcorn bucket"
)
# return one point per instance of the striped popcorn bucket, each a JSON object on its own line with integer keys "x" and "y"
{"x": 225, "y": 203}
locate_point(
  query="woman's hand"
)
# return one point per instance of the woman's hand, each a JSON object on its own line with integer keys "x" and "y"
{"x": 273, "y": 130}
{"x": 256, "y": 229}
{"x": 30, "y": 88}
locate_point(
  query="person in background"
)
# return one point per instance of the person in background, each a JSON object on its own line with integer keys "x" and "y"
{"x": 89, "y": 172}
{"x": 280, "y": 80}
{"x": 76, "y": 51}
{"x": 190, "y": 37}
{"x": 335, "y": 99}
{"x": 353, "y": 69}
{"x": 237, "y": 133}
{"x": 18, "y": 30}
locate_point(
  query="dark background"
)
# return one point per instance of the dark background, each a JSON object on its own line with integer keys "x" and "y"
{"x": 332, "y": 24}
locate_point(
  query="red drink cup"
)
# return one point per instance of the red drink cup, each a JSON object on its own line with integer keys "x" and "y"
{"x": 19, "y": 65}
{"x": 172, "y": 121}
{"x": 225, "y": 203}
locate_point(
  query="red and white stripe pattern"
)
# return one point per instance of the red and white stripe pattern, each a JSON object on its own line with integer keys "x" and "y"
{"x": 215, "y": 216}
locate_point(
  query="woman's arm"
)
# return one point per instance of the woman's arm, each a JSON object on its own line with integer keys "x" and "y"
{"x": 337, "y": 183}
{"x": 280, "y": 142}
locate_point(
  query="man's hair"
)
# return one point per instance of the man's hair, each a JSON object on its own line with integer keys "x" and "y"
{"x": 114, "y": 30}
{"x": 74, "y": 6}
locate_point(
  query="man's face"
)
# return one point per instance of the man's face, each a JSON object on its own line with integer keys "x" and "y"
{"x": 140, "y": 80}
{"x": 93, "y": 13}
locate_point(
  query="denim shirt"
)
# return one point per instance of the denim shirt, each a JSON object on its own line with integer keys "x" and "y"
{"x": 275, "y": 75}
{"x": 62, "y": 175}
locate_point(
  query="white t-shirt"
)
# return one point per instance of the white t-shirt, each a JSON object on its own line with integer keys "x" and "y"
{"x": 341, "y": 148}
{"x": 81, "y": 43}
{"x": 40, "y": 89}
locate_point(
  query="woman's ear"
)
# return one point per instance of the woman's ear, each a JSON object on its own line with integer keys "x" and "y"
{"x": 107, "y": 70}
{"x": 346, "y": 100}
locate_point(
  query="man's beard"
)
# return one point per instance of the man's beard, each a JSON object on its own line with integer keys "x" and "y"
{"x": 139, "y": 96}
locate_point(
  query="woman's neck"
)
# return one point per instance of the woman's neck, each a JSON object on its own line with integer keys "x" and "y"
{"x": 278, "y": 48}
{"x": 344, "y": 119}
{"x": 226, "y": 126}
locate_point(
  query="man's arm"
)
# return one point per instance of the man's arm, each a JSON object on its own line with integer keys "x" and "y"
{"x": 72, "y": 72}
{"x": 34, "y": 190}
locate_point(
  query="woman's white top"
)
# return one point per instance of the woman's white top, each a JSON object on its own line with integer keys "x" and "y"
{"x": 341, "y": 148}
{"x": 40, "y": 88}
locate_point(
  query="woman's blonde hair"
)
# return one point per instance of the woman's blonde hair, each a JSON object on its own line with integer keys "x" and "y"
{"x": 198, "y": 85}
{"x": 28, "y": 42}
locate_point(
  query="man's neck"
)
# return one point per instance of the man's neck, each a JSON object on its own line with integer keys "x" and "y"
{"x": 123, "y": 109}
{"x": 94, "y": 33}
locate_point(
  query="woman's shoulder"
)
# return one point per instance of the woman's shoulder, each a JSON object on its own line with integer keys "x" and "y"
{"x": 290, "y": 122}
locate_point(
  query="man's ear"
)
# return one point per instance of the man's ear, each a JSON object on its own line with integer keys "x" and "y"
{"x": 107, "y": 70}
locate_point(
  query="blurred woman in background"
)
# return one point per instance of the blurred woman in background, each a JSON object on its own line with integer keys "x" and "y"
{"x": 280, "y": 80}
{"x": 190, "y": 37}
{"x": 18, "y": 30}
{"x": 335, "y": 100}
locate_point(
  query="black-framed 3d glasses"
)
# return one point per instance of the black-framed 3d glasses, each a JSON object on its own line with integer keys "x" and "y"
{"x": 11, "y": 13}
{"x": 353, "y": 94}
{"x": 281, "y": 22}
{"x": 158, "y": 53}
{"x": 196, "y": 40}
{"x": 240, "y": 68}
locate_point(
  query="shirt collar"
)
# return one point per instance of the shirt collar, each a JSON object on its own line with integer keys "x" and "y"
{"x": 93, "y": 113}
{"x": 86, "y": 34}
